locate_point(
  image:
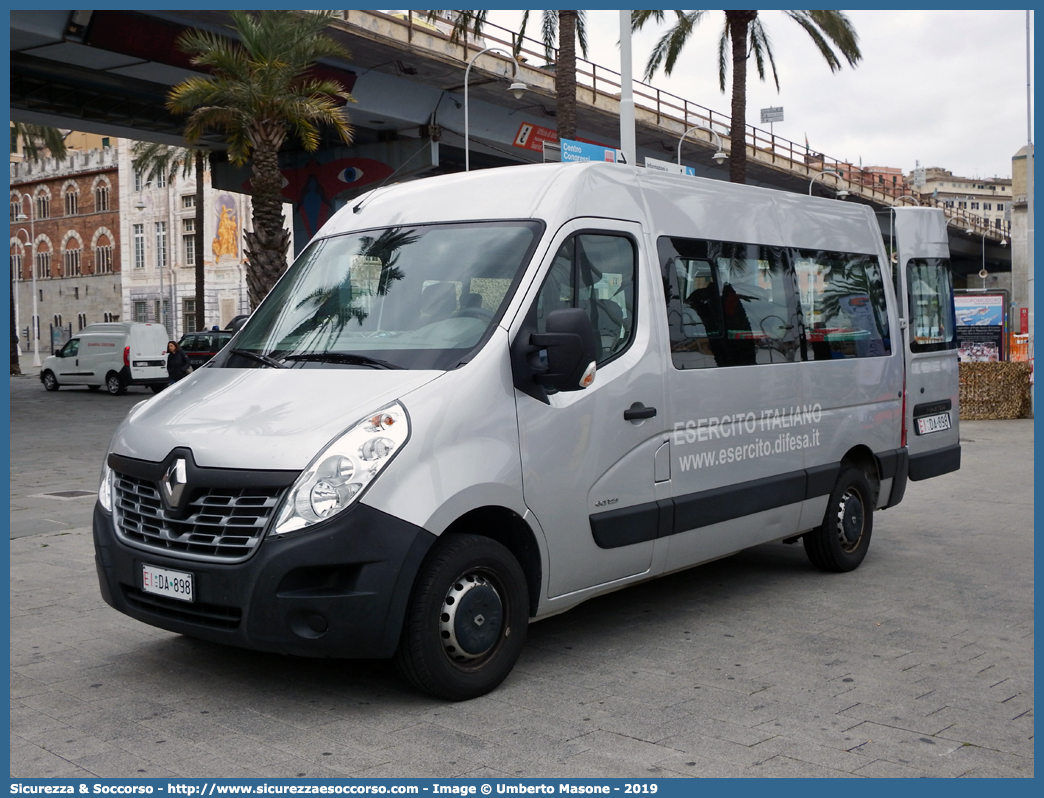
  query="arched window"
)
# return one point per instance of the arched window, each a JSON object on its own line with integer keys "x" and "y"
{"x": 101, "y": 197}
{"x": 72, "y": 201}
{"x": 43, "y": 206}
{"x": 43, "y": 264}
{"x": 71, "y": 259}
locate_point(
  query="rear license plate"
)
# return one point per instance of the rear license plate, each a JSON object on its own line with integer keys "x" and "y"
{"x": 936, "y": 423}
{"x": 161, "y": 582}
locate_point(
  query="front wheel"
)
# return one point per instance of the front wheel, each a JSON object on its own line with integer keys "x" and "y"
{"x": 50, "y": 382}
{"x": 466, "y": 620}
{"x": 840, "y": 544}
{"x": 114, "y": 385}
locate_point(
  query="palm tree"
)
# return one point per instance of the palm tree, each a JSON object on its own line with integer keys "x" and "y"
{"x": 154, "y": 160}
{"x": 568, "y": 26}
{"x": 259, "y": 91}
{"x": 821, "y": 26}
{"x": 37, "y": 138}
{"x": 565, "y": 26}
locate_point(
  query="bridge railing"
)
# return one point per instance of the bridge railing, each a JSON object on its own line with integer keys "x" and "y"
{"x": 601, "y": 82}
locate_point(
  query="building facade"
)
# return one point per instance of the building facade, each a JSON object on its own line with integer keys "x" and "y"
{"x": 158, "y": 240}
{"x": 986, "y": 202}
{"x": 65, "y": 245}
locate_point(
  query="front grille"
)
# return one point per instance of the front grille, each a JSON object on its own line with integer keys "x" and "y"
{"x": 221, "y": 525}
{"x": 212, "y": 615}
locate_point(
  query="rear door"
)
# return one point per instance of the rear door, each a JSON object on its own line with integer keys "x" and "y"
{"x": 925, "y": 288}
{"x": 148, "y": 348}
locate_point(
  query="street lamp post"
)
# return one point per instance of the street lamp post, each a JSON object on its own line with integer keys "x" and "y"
{"x": 515, "y": 88}
{"x": 983, "y": 273}
{"x": 718, "y": 157}
{"x": 35, "y": 325}
{"x": 902, "y": 197}
{"x": 841, "y": 194}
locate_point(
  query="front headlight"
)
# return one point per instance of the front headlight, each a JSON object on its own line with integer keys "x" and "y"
{"x": 105, "y": 487}
{"x": 337, "y": 476}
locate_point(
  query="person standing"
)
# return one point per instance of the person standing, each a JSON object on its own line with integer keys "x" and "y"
{"x": 177, "y": 362}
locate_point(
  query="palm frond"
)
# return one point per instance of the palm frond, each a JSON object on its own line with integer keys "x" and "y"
{"x": 37, "y": 138}
{"x": 761, "y": 48}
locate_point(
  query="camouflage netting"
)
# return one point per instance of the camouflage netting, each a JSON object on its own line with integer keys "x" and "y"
{"x": 994, "y": 390}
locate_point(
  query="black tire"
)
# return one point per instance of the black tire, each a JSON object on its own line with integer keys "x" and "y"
{"x": 94, "y": 388}
{"x": 157, "y": 388}
{"x": 50, "y": 382}
{"x": 841, "y": 543}
{"x": 114, "y": 385}
{"x": 466, "y": 620}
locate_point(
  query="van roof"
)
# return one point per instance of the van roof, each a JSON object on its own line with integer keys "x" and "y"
{"x": 676, "y": 204}
{"x": 117, "y": 327}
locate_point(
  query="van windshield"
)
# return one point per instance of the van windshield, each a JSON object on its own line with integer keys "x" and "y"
{"x": 412, "y": 297}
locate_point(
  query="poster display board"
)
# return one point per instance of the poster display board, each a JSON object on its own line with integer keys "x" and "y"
{"x": 980, "y": 327}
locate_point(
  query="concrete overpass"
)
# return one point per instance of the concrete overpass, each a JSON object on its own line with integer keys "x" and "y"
{"x": 109, "y": 72}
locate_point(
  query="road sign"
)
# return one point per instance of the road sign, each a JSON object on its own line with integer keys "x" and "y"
{"x": 771, "y": 115}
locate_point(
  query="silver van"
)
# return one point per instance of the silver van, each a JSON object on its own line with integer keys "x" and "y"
{"x": 113, "y": 355}
{"x": 509, "y": 391}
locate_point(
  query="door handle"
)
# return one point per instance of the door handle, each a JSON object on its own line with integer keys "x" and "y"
{"x": 639, "y": 412}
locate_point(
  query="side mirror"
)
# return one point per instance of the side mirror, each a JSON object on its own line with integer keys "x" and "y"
{"x": 571, "y": 350}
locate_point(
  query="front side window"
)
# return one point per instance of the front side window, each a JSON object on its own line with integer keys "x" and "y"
{"x": 415, "y": 297}
{"x": 843, "y": 303}
{"x": 932, "y": 319}
{"x": 728, "y": 304}
{"x": 71, "y": 348}
{"x": 595, "y": 272}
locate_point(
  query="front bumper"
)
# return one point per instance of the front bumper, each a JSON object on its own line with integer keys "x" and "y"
{"x": 338, "y": 590}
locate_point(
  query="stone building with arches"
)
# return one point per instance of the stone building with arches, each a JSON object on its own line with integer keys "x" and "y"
{"x": 64, "y": 223}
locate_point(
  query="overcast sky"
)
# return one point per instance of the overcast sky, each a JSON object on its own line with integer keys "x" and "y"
{"x": 946, "y": 88}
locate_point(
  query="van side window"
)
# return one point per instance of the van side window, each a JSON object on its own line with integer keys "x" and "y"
{"x": 595, "y": 272}
{"x": 70, "y": 349}
{"x": 932, "y": 320}
{"x": 843, "y": 303}
{"x": 728, "y": 304}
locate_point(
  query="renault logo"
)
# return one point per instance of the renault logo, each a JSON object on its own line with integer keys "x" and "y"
{"x": 173, "y": 483}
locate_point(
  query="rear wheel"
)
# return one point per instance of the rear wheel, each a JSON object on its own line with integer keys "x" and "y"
{"x": 114, "y": 385}
{"x": 157, "y": 388}
{"x": 841, "y": 543}
{"x": 466, "y": 620}
{"x": 50, "y": 382}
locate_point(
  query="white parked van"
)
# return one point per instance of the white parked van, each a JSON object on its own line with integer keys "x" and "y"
{"x": 112, "y": 354}
{"x": 478, "y": 400}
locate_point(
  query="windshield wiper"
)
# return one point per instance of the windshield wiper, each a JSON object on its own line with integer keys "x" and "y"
{"x": 344, "y": 357}
{"x": 268, "y": 361}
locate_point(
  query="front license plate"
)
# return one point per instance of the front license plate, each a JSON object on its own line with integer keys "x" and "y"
{"x": 161, "y": 582}
{"x": 933, "y": 423}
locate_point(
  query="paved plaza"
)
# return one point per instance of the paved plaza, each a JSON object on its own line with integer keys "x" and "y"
{"x": 920, "y": 663}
